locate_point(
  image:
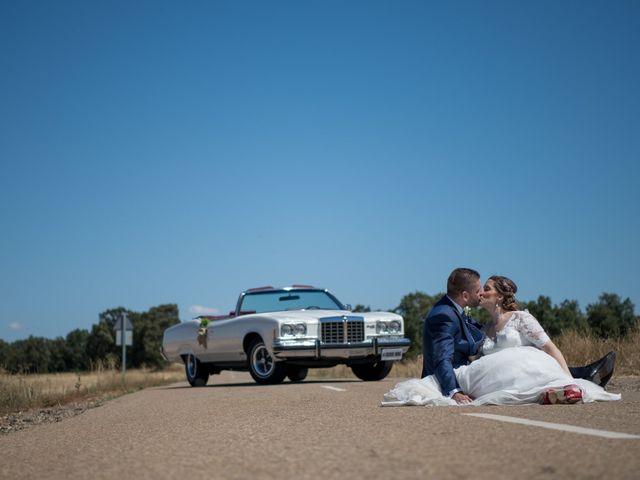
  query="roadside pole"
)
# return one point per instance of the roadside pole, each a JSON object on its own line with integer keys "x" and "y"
{"x": 124, "y": 337}
{"x": 124, "y": 348}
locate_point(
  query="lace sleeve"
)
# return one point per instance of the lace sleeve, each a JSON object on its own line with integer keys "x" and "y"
{"x": 531, "y": 329}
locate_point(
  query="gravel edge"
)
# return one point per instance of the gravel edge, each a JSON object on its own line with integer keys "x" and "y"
{"x": 14, "y": 422}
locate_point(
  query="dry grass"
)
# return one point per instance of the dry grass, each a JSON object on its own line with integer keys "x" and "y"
{"x": 580, "y": 349}
{"x": 22, "y": 392}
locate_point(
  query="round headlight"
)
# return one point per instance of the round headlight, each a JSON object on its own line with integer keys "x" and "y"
{"x": 300, "y": 329}
{"x": 381, "y": 327}
{"x": 394, "y": 327}
{"x": 286, "y": 329}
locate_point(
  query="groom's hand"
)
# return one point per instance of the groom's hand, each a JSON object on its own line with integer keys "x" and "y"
{"x": 460, "y": 397}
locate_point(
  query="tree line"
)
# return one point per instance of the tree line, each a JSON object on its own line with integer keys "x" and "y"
{"x": 83, "y": 350}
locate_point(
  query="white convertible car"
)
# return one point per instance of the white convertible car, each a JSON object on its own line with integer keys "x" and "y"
{"x": 282, "y": 332}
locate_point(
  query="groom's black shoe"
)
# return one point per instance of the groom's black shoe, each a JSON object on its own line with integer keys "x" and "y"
{"x": 598, "y": 372}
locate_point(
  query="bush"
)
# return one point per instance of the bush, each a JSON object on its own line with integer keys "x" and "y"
{"x": 413, "y": 308}
{"x": 611, "y": 317}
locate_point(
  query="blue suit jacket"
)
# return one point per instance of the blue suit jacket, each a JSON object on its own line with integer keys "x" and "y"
{"x": 449, "y": 339}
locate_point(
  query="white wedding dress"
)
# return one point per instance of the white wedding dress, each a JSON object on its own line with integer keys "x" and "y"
{"x": 511, "y": 371}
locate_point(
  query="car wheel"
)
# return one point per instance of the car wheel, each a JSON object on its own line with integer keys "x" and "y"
{"x": 372, "y": 371}
{"x": 297, "y": 374}
{"x": 263, "y": 368}
{"x": 197, "y": 372}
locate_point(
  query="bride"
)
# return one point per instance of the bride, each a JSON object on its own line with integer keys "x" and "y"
{"x": 519, "y": 363}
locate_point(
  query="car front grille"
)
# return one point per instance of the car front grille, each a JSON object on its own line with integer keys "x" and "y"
{"x": 342, "y": 330}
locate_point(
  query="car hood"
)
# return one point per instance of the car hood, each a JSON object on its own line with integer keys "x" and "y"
{"x": 316, "y": 315}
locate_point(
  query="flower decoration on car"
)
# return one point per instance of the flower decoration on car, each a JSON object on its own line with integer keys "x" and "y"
{"x": 202, "y": 332}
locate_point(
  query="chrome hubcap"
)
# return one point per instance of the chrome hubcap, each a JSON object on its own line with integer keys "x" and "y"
{"x": 262, "y": 361}
{"x": 191, "y": 366}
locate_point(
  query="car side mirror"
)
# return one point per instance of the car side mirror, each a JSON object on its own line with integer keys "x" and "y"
{"x": 347, "y": 306}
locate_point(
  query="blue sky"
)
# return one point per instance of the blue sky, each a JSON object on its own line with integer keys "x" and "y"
{"x": 180, "y": 152}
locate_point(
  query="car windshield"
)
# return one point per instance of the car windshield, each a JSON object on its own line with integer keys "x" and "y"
{"x": 277, "y": 301}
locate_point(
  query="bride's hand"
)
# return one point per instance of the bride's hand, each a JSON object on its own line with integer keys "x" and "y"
{"x": 461, "y": 398}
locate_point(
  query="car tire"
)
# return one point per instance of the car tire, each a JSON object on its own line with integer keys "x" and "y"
{"x": 197, "y": 372}
{"x": 372, "y": 371}
{"x": 262, "y": 367}
{"x": 297, "y": 374}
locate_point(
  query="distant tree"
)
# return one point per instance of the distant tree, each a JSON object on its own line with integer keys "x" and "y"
{"x": 31, "y": 355}
{"x": 361, "y": 308}
{"x": 413, "y": 308}
{"x": 556, "y": 319}
{"x": 112, "y": 316}
{"x": 101, "y": 346}
{"x": 76, "y": 351}
{"x": 4, "y": 352}
{"x": 611, "y": 317}
{"x": 569, "y": 317}
{"x": 58, "y": 359}
{"x": 148, "y": 328}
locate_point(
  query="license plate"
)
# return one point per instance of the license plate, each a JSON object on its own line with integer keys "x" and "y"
{"x": 357, "y": 352}
{"x": 391, "y": 354}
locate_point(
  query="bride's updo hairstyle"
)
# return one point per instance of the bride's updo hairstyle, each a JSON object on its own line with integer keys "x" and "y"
{"x": 507, "y": 289}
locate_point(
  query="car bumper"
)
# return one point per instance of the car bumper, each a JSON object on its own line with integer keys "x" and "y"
{"x": 316, "y": 349}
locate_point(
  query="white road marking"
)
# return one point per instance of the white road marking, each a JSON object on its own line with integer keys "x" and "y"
{"x": 336, "y": 389}
{"x": 554, "y": 426}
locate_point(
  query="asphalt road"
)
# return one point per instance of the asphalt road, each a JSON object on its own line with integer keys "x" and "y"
{"x": 329, "y": 429}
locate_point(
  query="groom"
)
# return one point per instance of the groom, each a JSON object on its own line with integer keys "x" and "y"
{"x": 450, "y": 337}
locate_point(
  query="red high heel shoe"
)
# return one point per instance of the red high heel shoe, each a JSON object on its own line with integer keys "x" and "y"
{"x": 562, "y": 395}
